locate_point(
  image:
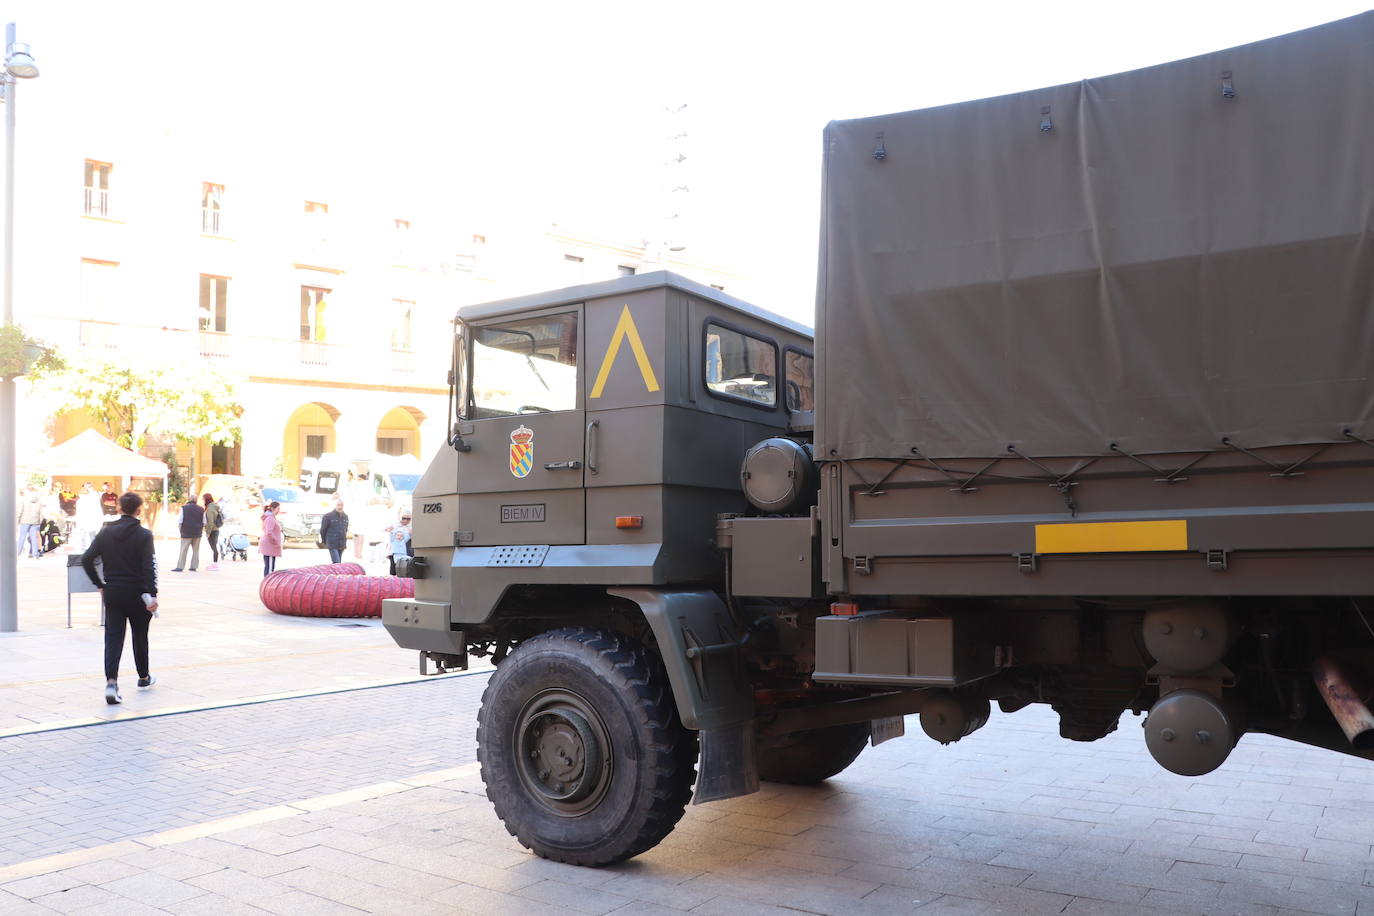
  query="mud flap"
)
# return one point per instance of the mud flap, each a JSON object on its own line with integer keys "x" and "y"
{"x": 713, "y": 694}
{"x": 728, "y": 765}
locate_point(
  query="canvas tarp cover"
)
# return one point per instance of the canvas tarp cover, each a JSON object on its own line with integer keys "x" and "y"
{"x": 1161, "y": 268}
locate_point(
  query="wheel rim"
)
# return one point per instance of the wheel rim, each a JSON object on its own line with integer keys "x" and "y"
{"x": 563, "y": 751}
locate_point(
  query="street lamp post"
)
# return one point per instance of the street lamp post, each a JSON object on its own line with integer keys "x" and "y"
{"x": 18, "y": 65}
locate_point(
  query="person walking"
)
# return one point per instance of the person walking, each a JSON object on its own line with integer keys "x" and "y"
{"x": 214, "y": 518}
{"x": 129, "y": 590}
{"x": 192, "y": 527}
{"x": 88, "y": 516}
{"x": 269, "y": 545}
{"x": 334, "y": 531}
{"x": 398, "y": 536}
{"x": 30, "y": 518}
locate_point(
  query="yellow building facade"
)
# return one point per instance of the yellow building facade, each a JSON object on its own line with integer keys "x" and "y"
{"x": 324, "y": 304}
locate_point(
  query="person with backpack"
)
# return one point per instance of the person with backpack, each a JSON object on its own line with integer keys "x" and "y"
{"x": 214, "y": 518}
{"x": 129, "y": 590}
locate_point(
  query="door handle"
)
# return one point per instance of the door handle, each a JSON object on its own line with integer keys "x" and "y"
{"x": 591, "y": 446}
{"x": 563, "y": 465}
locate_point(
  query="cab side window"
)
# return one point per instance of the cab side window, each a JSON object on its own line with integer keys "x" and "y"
{"x": 525, "y": 366}
{"x": 740, "y": 366}
{"x": 799, "y": 380}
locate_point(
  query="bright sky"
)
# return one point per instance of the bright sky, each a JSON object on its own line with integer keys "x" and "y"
{"x": 525, "y": 113}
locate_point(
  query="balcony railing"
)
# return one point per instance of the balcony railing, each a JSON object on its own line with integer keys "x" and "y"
{"x": 248, "y": 355}
{"x": 214, "y": 344}
{"x": 97, "y": 202}
{"x": 99, "y": 334}
{"x": 402, "y": 360}
{"x": 209, "y": 220}
{"x": 315, "y": 353}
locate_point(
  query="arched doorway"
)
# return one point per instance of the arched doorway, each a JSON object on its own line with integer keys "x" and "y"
{"x": 309, "y": 432}
{"x": 398, "y": 432}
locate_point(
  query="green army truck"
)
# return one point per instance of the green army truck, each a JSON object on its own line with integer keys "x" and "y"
{"x": 1091, "y": 424}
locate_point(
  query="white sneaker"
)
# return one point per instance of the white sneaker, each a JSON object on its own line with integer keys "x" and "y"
{"x": 112, "y": 696}
{"x": 212, "y": 566}
{"x": 151, "y": 680}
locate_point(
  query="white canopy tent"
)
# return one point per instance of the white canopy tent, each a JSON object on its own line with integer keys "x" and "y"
{"x": 90, "y": 454}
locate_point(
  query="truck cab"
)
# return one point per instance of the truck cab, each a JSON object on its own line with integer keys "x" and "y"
{"x": 600, "y": 429}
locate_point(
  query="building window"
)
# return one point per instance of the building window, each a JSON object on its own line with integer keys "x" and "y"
{"x": 225, "y": 459}
{"x": 211, "y": 205}
{"x": 315, "y": 444}
{"x": 99, "y": 281}
{"x": 401, "y": 224}
{"x": 393, "y": 445}
{"x": 626, "y": 270}
{"x": 214, "y": 303}
{"x": 312, "y": 312}
{"x": 316, "y": 208}
{"x": 97, "y": 188}
{"x": 402, "y": 311}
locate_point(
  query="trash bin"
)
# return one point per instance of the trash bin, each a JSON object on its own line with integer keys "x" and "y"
{"x": 78, "y": 581}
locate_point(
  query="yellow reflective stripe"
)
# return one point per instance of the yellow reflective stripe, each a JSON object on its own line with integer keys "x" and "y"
{"x": 624, "y": 328}
{"x": 1111, "y": 537}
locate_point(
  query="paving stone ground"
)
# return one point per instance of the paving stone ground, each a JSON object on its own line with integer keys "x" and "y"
{"x": 83, "y": 787}
{"x": 213, "y": 642}
{"x": 1010, "y": 820}
{"x": 349, "y": 802}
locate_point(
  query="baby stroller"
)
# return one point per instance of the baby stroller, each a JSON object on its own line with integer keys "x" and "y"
{"x": 50, "y": 535}
{"x": 233, "y": 543}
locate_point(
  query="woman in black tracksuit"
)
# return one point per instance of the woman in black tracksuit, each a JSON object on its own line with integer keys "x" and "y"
{"x": 125, "y": 549}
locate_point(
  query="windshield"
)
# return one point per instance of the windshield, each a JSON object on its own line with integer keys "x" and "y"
{"x": 527, "y": 366}
{"x": 282, "y": 495}
{"x": 405, "y": 483}
{"x": 327, "y": 482}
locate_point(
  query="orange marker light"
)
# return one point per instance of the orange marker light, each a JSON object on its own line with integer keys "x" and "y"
{"x": 844, "y": 608}
{"x": 629, "y": 521}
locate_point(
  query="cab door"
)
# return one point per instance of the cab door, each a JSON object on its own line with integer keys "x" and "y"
{"x": 521, "y": 482}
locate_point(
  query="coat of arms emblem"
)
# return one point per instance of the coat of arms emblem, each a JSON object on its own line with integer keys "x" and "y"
{"x": 522, "y": 451}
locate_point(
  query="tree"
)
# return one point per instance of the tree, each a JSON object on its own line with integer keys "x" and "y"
{"x": 21, "y": 354}
{"x": 188, "y": 403}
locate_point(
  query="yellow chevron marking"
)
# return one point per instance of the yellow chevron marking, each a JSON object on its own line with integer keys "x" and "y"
{"x": 624, "y": 328}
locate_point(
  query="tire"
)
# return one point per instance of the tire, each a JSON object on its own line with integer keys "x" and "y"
{"x": 594, "y": 710}
{"x": 810, "y": 757}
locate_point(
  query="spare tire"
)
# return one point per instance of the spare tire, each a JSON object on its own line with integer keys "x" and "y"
{"x": 331, "y": 590}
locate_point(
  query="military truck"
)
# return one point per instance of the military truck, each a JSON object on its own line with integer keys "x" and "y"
{"x": 1090, "y": 425}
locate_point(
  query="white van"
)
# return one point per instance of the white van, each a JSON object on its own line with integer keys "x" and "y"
{"x": 376, "y": 490}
